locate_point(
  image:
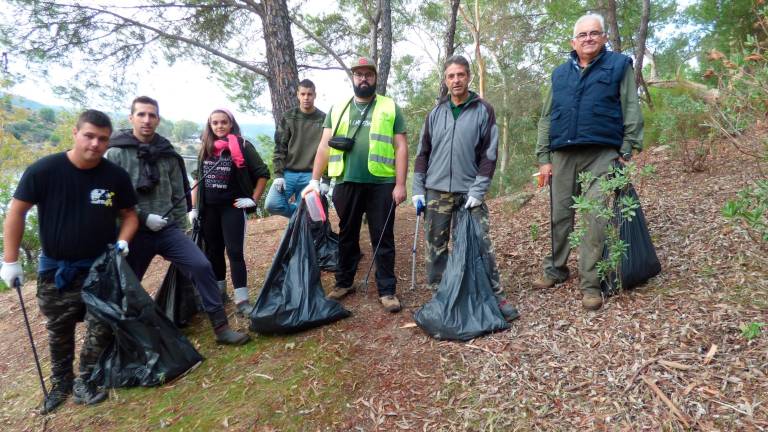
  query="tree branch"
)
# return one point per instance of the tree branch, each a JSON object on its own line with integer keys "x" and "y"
{"x": 297, "y": 22}
{"x": 175, "y": 37}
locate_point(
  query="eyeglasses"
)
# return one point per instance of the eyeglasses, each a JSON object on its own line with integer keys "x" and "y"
{"x": 367, "y": 75}
{"x": 594, "y": 34}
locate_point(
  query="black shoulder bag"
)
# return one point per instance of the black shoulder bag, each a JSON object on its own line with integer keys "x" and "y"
{"x": 344, "y": 143}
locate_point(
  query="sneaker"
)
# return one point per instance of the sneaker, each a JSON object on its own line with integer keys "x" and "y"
{"x": 227, "y": 336}
{"x": 592, "y": 301}
{"x": 85, "y": 392}
{"x": 57, "y": 395}
{"x": 509, "y": 312}
{"x": 338, "y": 293}
{"x": 243, "y": 309}
{"x": 543, "y": 283}
{"x": 390, "y": 303}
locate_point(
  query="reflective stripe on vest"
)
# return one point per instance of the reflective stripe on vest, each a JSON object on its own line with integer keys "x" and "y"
{"x": 381, "y": 149}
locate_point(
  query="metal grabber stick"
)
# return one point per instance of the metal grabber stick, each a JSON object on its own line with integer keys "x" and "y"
{"x": 17, "y": 285}
{"x": 376, "y": 251}
{"x": 183, "y": 197}
{"x": 419, "y": 211}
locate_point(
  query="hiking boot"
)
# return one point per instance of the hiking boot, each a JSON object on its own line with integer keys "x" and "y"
{"x": 509, "y": 312}
{"x": 57, "y": 395}
{"x": 390, "y": 303}
{"x": 543, "y": 283}
{"x": 243, "y": 309}
{"x": 85, "y": 392}
{"x": 592, "y": 300}
{"x": 338, "y": 293}
{"x": 227, "y": 336}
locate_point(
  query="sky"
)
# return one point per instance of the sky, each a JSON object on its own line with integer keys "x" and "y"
{"x": 185, "y": 91}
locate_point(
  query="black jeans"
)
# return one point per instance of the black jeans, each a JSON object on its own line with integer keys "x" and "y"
{"x": 172, "y": 244}
{"x": 224, "y": 229}
{"x": 352, "y": 200}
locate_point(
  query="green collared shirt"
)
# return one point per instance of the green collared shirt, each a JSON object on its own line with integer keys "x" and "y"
{"x": 630, "y": 109}
{"x": 456, "y": 109}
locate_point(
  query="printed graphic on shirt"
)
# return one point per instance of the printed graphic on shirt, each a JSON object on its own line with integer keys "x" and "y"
{"x": 102, "y": 197}
{"x": 218, "y": 175}
{"x": 366, "y": 123}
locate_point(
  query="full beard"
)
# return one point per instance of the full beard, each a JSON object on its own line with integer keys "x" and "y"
{"x": 364, "y": 92}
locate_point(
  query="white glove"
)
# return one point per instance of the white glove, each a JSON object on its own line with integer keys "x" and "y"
{"x": 192, "y": 216}
{"x": 279, "y": 184}
{"x": 243, "y": 203}
{"x": 122, "y": 247}
{"x": 156, "y": 222}
{"x": 324, "y": 188}
{"x": 418, "y": 201}
{"x": 10, "y": 272}
{"x": 313, "y": 186}
{"x": 472, "y": 202}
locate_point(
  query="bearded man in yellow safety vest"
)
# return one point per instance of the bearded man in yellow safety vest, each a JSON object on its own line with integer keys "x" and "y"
{"x": 364, "y": 147}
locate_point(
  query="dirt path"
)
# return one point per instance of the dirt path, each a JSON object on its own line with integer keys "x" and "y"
{"x": 667, "y": 356}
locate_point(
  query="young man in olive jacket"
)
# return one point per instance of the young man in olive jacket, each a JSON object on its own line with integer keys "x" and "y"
{"x": 160, "y": 180}
{"x": 296, "y": 140}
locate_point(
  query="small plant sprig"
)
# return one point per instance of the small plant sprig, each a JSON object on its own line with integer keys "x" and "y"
{"x": 750, "y": 208}
{"x": 752, "y": 330}
{"x": 600, "y": 208}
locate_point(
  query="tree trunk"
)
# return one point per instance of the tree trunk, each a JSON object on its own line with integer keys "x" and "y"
{"x": 385, "y": 57}
{"x": 474, "y": 29}
{"x": 613, "y": 26}
{"x": 281, "y": 57}
{"x": 642, "y": 34}
{"x": 449, "y": 41}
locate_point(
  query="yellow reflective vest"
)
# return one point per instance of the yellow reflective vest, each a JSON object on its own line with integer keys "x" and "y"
{"x": 381, "y": 143}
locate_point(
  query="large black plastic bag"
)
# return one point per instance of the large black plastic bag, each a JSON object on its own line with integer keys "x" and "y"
{"x": 177, "y": 297}
{"x": 464, "y": 306}
{"x": 148, "y": 349}
{"x": 640, "y": 262}
{"x": 292, "y": 298}
{"x": 326, "y": 242}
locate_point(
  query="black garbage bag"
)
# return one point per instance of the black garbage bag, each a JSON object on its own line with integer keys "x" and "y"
{"x": 326, "y": 242}
{"x": 292, "y": 298}
{"x": 147, "y": 349}
{"x": 464, "y": 306}
{"x": 177, "y": 297}
{"x": 640, "y": 262}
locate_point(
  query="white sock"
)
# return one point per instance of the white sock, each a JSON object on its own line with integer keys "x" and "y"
{"x": 241, "y": 295}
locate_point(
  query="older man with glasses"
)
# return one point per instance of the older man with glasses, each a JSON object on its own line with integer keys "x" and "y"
{"x": 365, "y": 149}
{"x": 591, "y": 118}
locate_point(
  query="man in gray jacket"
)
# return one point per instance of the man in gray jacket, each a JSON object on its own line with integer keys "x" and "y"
{"x": 158, "y": 175}
{"x": 454, "y": 166}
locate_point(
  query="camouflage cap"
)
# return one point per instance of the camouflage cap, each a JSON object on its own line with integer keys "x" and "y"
{"x": 363, "y": 62}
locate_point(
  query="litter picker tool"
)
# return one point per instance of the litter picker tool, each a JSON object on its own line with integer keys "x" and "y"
{"x": 17, "y": 285}
{"x": 376, "y": 251}
{"x": 419, "y": 211}
{"x": 205, "y": 174}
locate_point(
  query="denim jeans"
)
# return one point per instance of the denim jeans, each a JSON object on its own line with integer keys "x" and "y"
{"x": 278, "y": 203}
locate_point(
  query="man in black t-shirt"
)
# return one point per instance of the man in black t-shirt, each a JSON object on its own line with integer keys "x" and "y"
{"x": 79, "y": 196}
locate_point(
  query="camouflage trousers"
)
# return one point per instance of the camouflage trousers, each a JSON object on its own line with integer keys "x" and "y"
{"x": 63, "y": 309}
{"x": 438, "y": 224}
